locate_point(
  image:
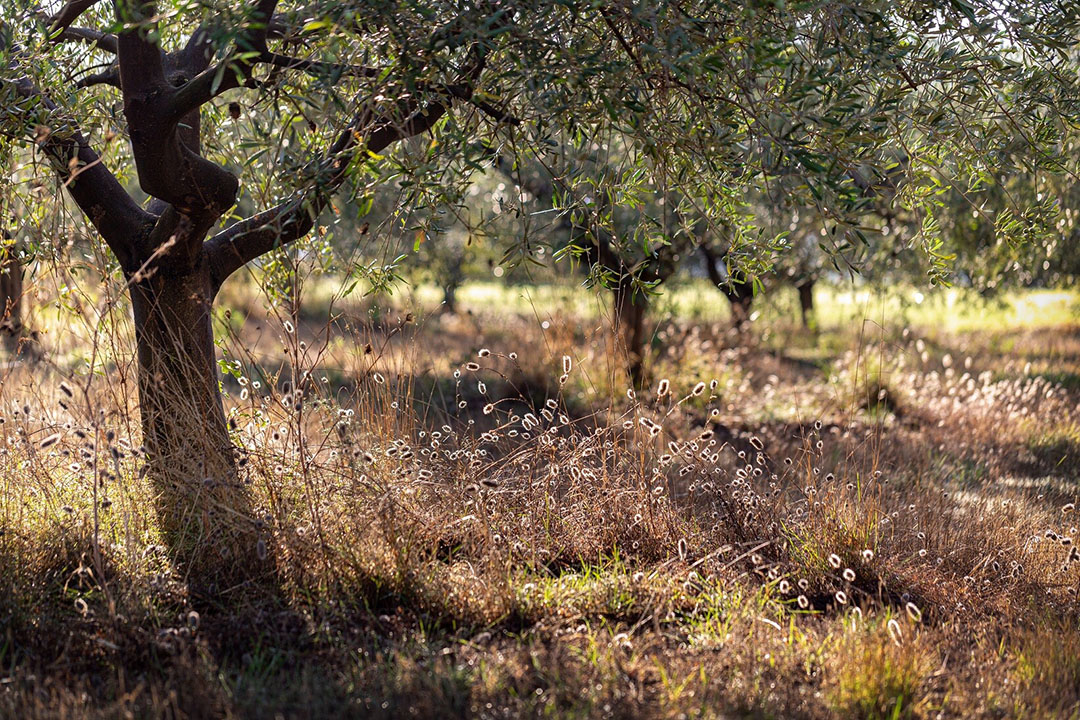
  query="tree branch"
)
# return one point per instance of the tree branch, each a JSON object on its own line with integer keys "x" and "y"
{"x": 227, "y": 75}
{"x": 236, "y": 70}
{"x": 465, "y": 92}
{"x": 115, "y": 214}
{"x": 230, "y": 73}
{"x": 110, "y": 76}
{"x": 142, "y": 69}
{"x": 318, "y": 68}
{"x": 246, "y": 240}
{"x": 169, "y": 168}
{"x": 104, "y": 41}
{"x": 69, "y": 14}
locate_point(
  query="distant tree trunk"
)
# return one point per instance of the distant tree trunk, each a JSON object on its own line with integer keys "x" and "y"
{"x": 449, "y": 299}
{"x": 741, "y": 296}
{"x": 204, "y": 510}
{"x": 806, "y": 300}
{"x": 630, "y": 311}
{"x": 453, "y": 276}
{"x": 740, "y": 293}
{"x": 11, "y": 292}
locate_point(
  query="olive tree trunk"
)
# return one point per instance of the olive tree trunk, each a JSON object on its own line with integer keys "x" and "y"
{"x": 204, "y": 510}
{"x": 630, "y": 311}
{"x": 739, "y": 292}
{"x": 11, "y": 292}
{"x": 806, "y": 301}
{"x": 451, "y": 279}
{"x": 741, "y": 297}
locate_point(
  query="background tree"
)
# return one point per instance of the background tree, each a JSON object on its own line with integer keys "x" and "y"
{"x": 10, "y": 268}
{"x": 735, "y": 286}
{"x": 11, "y": 292}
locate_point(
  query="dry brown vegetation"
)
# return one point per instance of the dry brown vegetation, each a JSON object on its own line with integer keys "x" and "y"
{"x": 468, "y": 516}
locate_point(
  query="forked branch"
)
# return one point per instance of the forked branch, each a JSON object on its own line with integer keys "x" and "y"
{"x": 169, "y": 168}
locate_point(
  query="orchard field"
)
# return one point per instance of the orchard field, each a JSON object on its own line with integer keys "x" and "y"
{"x": 539, "y": 359}
{"x": 468, "y": 515}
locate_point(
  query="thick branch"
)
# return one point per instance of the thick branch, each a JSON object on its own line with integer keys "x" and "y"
{"x": 69, "y": 14}
{"x": 736, "y": 289}
{"x": 142, "y": 69}
{"x": 169, "y": 168}
{"x": 232, "y": 72}
{"x": 261, "y": 17}
{"x": 110, "y": 76}
{"x": 105, "y": 41}
{"x": 118, "y": 218}
{"x": 227, "y": 75}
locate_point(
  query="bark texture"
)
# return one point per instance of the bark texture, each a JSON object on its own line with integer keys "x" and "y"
{"x": 204, "y": 509}
{"x": 631, "y": 310}
{"x": 11, "y": 293}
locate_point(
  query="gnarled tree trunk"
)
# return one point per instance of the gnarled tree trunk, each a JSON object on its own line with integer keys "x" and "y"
{"x": 204, "y": 511}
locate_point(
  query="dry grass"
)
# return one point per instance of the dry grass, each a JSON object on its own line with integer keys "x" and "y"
{"x": 457, "y": 522}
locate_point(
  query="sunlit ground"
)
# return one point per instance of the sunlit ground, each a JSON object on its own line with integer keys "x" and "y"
{"x": 870, "y": 517}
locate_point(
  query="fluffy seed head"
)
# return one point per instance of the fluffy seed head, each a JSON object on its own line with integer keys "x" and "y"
{"x": 896, "y": 634}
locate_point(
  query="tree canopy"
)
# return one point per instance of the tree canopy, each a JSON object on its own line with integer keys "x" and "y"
{"x": 280, "y": 107}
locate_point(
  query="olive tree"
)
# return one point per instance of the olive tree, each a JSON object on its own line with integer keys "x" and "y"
{"x": 218, "y": 105}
